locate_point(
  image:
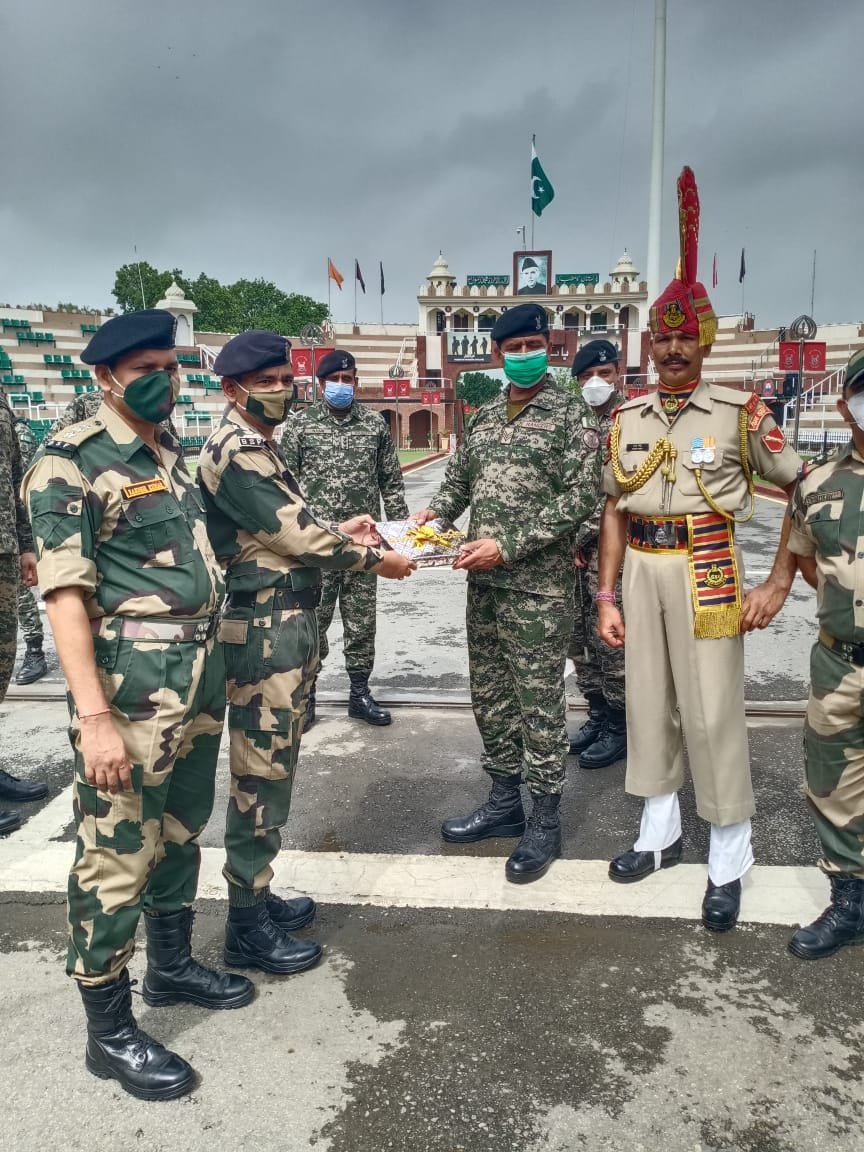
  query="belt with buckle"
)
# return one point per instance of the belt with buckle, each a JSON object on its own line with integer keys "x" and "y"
{"x": 144, "y": 628}
{"x": 282, "y": 598}
{"x": 658, "y": 534}
{"x": 853, "y": 653}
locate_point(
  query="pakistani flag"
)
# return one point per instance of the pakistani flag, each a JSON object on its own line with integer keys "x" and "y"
{"x": 542, "y": 192}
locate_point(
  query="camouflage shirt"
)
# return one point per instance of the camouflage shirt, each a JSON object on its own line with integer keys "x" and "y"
{"x": 27, "y": 441}
{"x": 125, "y": 525}
{"x": 826, "y": 524}
{"x": 85, "y": 406}
{"x": 589, "y": 532}
{"x": 259, "y": 525}
{"x": 15, "y": 536}
{"x": 345, "y": 465}
{"x": 530, "y": 482}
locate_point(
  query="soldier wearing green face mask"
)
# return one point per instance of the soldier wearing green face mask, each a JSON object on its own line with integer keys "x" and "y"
{"x": 529, "y": 468}
{"x": 273, "y": 548}
{"x": 132, "y": 590}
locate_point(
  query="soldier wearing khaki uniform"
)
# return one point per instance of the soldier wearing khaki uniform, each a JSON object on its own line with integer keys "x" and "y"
{"x": 679, "y": 476}
{"x": 132, "y": 590}
{"x": 273, "y": 549}
{"x": 827, "y": 537}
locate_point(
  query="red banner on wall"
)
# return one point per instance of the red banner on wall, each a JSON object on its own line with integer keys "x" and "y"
{"x": 389, "y": 389}
{"x": 399, "y": 388}
{"x": 301, "y": 360}
{"x": 814, "y": 356}
{"x": 789, "y": 356}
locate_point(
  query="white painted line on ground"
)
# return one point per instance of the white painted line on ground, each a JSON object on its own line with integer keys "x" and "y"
{"x": 772, "y": 895}
{"x": 49, "y": 823}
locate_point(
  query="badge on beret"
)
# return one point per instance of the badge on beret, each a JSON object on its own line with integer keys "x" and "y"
{"x": 601, "y": 356}
{"x": 673, "y": 314}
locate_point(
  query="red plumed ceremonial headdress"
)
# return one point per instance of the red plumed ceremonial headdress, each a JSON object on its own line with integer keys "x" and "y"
{"x": 683, "y": 306}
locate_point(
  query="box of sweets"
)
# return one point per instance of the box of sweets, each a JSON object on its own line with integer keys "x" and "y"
{"x": 432, "y": 545}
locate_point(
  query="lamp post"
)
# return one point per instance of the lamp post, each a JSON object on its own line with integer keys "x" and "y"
{"x": 802, "y": 329}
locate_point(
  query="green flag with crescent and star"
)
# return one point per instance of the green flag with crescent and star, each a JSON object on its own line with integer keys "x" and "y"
{"x": 542, "y": 192}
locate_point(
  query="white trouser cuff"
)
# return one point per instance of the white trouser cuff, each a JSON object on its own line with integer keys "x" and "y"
{"x": 661, "y": 823}
{"x": 731, "y": 852}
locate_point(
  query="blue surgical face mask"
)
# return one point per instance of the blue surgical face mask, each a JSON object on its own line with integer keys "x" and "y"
{"x": 338, "y": 395}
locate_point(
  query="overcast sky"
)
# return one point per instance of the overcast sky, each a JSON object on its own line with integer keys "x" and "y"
{"x": 257, "y": 137}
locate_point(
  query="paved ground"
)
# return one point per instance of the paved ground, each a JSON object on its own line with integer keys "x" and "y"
{"x": 454, "y": 1011}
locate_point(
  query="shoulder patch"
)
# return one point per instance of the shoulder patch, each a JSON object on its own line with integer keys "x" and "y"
{"x": 591, "y": 439}
{"x": 773, "y": 439}
{"x": 756, "y": 415}
{"x": 251, "y": 442}
{"x": 61, "y": 446}
{"x": 68, "y": 440}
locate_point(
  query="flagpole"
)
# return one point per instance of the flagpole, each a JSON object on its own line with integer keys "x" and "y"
{"x": 658, "y": 131}
{"x": 531, "y": 205}
{"x": 329, "y": 306}
{"x": 813, "y": 283}
{"x": 356, "y": 267}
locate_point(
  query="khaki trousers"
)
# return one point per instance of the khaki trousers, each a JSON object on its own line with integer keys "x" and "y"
{"x": 681, "y": 688}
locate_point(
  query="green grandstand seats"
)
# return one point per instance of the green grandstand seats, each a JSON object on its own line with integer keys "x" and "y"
{"x": 19, "y": 398}
{"x": 85, "y": 328}
{"x": 56, "y": 358}
{"x": 10, "y": 379}
{"x": 188, "y": 358}
{"x": 80, "y": 389}
{"x": 9, "y": 323}
{"x": 25, "y": 335}
{"x": 37, "y": 397}
{"x": 75, "y": 373}
{"x": 185, "y": 398}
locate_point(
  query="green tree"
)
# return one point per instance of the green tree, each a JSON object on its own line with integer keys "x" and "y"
{"x": 477, "y": 388}
{"x": 129, "y": 281}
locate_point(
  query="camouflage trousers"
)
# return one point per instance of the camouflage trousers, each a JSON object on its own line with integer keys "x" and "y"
{"x": 271, "y": 656}
{"x": 28, "y": 615}
{"x": 356, "y": 593}
{"x": 834, "y": 760}
{"x": 517, "y": 644}
{"x": 599, "y": 668}
{"x": 138, "y": 850}
{"x": 9, "y": 577}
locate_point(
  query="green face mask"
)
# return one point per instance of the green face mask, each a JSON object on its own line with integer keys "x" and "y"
{"x": 151, "y": 397}
{"x": 526, "y": 369}
{"x": 271, "y": 408}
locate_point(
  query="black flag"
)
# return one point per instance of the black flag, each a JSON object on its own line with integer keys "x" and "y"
{"x": 742, "y": 271}
{"x": 359, "y": 276}
{"x": 381, "y": 267}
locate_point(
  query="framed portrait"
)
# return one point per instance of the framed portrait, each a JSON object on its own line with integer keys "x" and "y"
{"x": 532, "y": 273}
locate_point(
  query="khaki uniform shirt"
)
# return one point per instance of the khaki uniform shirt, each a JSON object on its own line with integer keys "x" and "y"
{"x": 826, "y": 513}
{"x": 122, "y": 522}
{"x": 711, "y": 411}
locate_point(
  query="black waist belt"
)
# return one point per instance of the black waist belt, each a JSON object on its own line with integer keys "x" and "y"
{"x": 854, "y": 653}
{"x": 282, "y": 598}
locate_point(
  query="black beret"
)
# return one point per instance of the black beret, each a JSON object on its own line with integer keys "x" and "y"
{"x": 152, "y": 328}
{"x": 250, "y": 351}
{"x": 523, "y": 320}
{"x": 335, "y": 361}
{"x": 593, "y": 353}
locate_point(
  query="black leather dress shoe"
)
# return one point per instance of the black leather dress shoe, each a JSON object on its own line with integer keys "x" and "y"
{"x": 11, "y": 788}
{"x": 632, "y": 866}
{"x": 9, "y": 822}
{"x": 721, "y": 906}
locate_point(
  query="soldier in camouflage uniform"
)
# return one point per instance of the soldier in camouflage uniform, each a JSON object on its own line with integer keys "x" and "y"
{"x": 343, "y": 455}
{"x": 132, "y": 590}
{"x": 602, "y": 739}
{"x": 529, "y": 468}
{"x": 17, "y": 564}
{"x": 828, "y": 539}
{"x": 33, "y": 666}
{"x": 273, "y": 549}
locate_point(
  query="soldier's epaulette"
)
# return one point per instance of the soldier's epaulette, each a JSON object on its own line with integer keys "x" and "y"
{"x": 68, "y": 440}
{"x": 808, "y": 466}
{"x": 633, "y": 402}
{"x": 249, "y": 443}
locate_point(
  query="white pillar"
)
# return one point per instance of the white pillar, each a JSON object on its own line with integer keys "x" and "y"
{"x": 657, "y": 145}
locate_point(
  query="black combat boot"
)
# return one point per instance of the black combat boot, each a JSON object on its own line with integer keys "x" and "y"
{"x": 592, "y": 729}
{"x": 172, "y": 975}
{"x": 33, "y": 666}
{"x": 310, "y": 716}
{"x": 289, "y": 915}
{"x": 11, "y": 788}
{"x": 361, "y": 705}
{"x": 9, "y": 822}
{"x": 840, "y": 924}
{"x": 611, "y": 745}
{"x": 252, "y": 940}
{"x": 501, "y": 815}
{"x": 117, "y": 1049}
{"x": 541, "y": 843}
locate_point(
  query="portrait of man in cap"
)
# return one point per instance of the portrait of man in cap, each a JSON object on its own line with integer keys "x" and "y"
{"x": 533, "y": 274}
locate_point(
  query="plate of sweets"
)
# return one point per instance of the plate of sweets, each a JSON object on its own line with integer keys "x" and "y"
{"x": 432, "y": 545}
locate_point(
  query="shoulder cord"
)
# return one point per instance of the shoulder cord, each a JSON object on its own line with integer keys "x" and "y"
{"x": 646, "y": 469}
{"x": 743, "y": 417}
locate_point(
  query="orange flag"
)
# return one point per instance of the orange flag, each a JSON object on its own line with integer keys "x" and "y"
{"x": 334, "y": 273}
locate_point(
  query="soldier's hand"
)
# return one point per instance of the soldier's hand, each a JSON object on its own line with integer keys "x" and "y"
{"x": 27, "y": 564}
{"x": 479, "y": 555}
{"x": 580, "y": 560}
{"x": 424, "y": 515}
{"x": 610, "y": 625}
{"x": 362, "y": 530}
{"x": 395, "y": 566}
{"x": 761, "y": 605}
{"x": 106, "y": 762}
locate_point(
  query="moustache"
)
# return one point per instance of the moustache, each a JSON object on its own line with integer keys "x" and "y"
{"x": 673, "y": 361}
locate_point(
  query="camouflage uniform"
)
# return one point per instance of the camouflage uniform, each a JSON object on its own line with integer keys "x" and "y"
{"x": 599, "y": 668}
{"x": 271, "y": 547}
{"x": 15, "y": 537}
{"x": 825, "y": 513}
{"x": 127, "y": 528}
{"x": 530, "y": 481}
{"x": 347, "y": 466}
{"x": 28, "y": 612}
